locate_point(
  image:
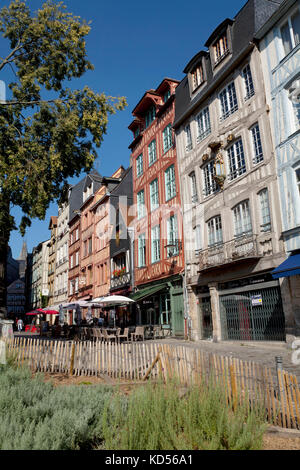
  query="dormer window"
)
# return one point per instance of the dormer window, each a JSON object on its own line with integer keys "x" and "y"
{"x": 150, "y": 116}
{"x": 167, "y": 95}
{"x": 197, "y": 77}
{"x": 136, "y": 132}
{"x": 221, "y": 48}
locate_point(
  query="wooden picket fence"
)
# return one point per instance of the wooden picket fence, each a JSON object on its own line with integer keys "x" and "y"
{"x": 247, "y": 381}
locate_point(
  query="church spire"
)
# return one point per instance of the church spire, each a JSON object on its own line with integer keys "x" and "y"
{"x": 23, "y": 254}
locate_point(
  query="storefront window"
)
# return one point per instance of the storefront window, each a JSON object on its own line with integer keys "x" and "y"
{"x": 165, "y": 309}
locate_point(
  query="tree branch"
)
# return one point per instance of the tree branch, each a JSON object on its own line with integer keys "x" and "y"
{"x": 7, "y": 59}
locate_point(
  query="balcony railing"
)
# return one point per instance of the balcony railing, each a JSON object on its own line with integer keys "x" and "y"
{"x": 120, "y": 281}
{"x": 244, "y": 247}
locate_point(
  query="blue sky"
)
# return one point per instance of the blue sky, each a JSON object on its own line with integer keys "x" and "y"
{"x": 133, "y": 46}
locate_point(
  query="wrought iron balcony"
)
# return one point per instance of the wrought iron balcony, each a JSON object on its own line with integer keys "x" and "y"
{"x": 120, "y": 281}
{"x": 243, "y": 247}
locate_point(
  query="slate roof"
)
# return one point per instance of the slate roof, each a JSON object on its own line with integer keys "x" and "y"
{"x": 246, "y": 23}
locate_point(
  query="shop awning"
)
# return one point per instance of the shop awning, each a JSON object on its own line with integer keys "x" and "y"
{"x": 290, "y": 267}
{"x": 147, "y": 291}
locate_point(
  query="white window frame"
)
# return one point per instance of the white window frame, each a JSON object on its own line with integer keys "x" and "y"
{"x": 193, "y": 186}
{"x": 141, "y": 204}
{"x": 142, "y": 250}
{"x": 258, "y": 155}
{"x": 242, "y": 219}
{"x": 236, "y": 159}
{"x": 172, "y": 236}
{"x": 209, "y": 184}
{"x": 155, "y": 244}
{"x": 229, "y": 105}
{"x": 154, "y": 194}
{"x": 197, "y": 76}
{"x": 265, "y": 214}
{"x": 292, "y": 38}
{"x": 139, "y": 165}
{"x": 203, "y": 124}
{"x": 167, "y": 138}
{"x": 248, "y": 82}
{"x": 214, "y": 231}
{"x": 170, "y": 182}
{"x": 297, "y": 177}
{"x": 152, "y": 155}
{"x": 188, "y": 138}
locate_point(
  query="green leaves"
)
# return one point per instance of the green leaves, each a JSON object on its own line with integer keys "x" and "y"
{"x": 45, "y": 141}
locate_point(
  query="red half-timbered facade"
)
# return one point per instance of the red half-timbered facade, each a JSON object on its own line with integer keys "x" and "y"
{"x": 158, "y": 247}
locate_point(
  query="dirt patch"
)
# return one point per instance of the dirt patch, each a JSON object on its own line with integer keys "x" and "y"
{"x": 271, "y": 442}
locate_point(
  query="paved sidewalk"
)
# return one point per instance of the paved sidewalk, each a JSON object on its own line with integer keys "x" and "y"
{"x": 263, "y": 353}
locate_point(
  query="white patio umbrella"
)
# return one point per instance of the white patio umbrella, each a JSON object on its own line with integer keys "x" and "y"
{"x": 113, "y": 300}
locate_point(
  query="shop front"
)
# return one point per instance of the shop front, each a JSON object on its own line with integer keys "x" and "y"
{"x": 250, "y": 309}
{"x": 161, "y": 304}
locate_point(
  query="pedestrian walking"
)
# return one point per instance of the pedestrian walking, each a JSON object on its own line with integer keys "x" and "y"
{"x": 20, "y": 324}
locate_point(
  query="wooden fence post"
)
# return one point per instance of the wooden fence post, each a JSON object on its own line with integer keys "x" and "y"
{"x": 72, "y": 358}
{"x": 233, "y": 386}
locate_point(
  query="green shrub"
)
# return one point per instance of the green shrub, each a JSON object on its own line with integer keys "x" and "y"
{"x": 36, "y": 415}
{"x": 164, "y": 417}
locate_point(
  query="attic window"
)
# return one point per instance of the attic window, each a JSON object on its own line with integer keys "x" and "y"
{"x": 167, "y": 95}
{"x": 197, "y": 76}
{"x": 221, "y": 48}
{"x": 136, "y": 132}
{"x": 150, "y": 116}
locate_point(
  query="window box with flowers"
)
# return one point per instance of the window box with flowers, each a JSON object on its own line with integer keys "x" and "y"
{"x": 119, "y": 272}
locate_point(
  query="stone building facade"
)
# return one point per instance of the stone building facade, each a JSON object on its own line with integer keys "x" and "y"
{"x": 229, "y": 186}
{"x": 279, "y": 43}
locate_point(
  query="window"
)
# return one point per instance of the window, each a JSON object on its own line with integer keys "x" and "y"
{"x": 141, "y": 204}
{"x": 167, "y": 95}
{"x": 152, "y": 152}
{"x": 242, "y": 219}
{"x": 136, "y": 132}
{"x": 298, "y": 178}
{"x": 170, "y": 183}
{"x": 71, "y": 262}
{"x": 90, "y": 246}
{"x": 210, "y": 185}
{"x": 221, "y": 49}
{"x": 172, "y": 236}
{"x": 203, "y": 124}
{"x": 76, "y": 284}
{"x": 188, "y": 138}
{"x": 76, "y": 258}
{"x": 193, "y": 184}
{"x": 248, "y": 82}
{"x": 141, "y": 250}
{"x": 77, "y": 234}
{"x": 294, "y": 97}
{"x": 167, "y": 138}
{"x": 155, "y": 244}
{"x": 290, "y": 32}
{"x": 197, "y": 77}
{"x": 265, "y": 210}
{"x": 139, "y": 165}
{"x": 215, "y": 235}
{"x": 150, "y": 116}
{"x": 257, "y": 147}
{"x": 154, "y": 196}
{"x": 237, "y": 164}
{"x": 228, "y": 101}
{"x": 197, "y": 238}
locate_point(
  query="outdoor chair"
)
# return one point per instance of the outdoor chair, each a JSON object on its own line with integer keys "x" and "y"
{"x": 139, "y": 333}
{"x": 108, "y": 337}
{"x": 98, "y": 335}
{"x": 157, "y": 332}
{"x": 125, "y": 335}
